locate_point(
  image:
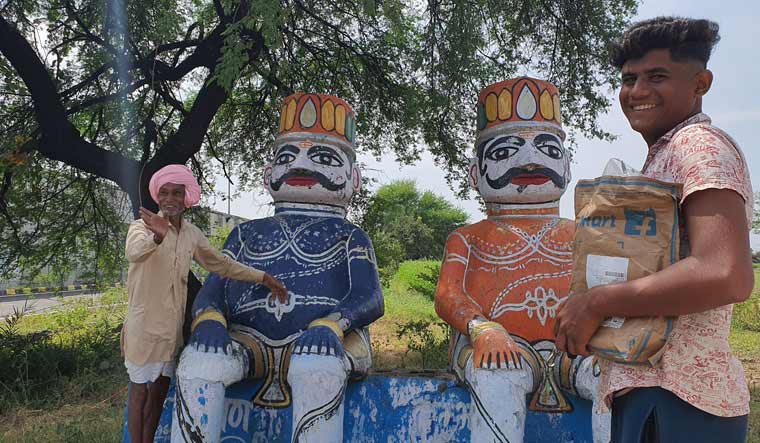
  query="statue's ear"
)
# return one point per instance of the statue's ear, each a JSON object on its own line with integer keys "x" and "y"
{"x": 473, "y": 173}
{"x": 267, "y": 176}
{"x": 356, "y": 178}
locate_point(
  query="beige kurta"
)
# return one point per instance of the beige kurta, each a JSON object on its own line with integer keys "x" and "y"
{"x": 157, "y": 285}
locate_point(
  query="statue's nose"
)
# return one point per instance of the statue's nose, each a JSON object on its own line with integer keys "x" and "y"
{"x": 300, "y": 171}
{"x": 532, "y": 167}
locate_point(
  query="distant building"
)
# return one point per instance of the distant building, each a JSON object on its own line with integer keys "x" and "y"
{"x": 218, "y": 219}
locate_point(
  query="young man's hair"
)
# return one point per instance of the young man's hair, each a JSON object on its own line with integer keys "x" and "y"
{"x": 687, "y": 39}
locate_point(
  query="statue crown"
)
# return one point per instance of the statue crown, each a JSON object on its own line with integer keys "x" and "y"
{"x": 522, "y": 101}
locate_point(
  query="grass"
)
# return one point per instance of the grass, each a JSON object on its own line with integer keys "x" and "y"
{"x": 87, "y": 404}
{"x": 96, "y": 417}
{"x": 410, "y": 335}
{"x": 745, "y": 342}
{"x": 62, "y": 378}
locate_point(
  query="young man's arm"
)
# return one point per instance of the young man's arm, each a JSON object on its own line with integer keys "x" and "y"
{"x": 718, "y": 272}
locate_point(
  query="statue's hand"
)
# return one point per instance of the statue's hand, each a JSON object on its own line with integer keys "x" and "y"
{"x": 493, "y": 348}
{"x": 323, "y": 337}
{"x": 211, "y": 336}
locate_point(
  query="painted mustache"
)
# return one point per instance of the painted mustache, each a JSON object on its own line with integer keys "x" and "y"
{"x": 506, "y": 179}
{"x": 305, "y": 173}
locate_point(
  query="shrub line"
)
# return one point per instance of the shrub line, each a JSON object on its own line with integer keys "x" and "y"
{"x": 45, "y": 290}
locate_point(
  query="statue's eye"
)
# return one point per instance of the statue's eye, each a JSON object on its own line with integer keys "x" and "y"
{"x": 551, "y": 150}
{"x": 498, "y": 153}
{"x": 284, "y": 158}
{"x": 326, "y": 158}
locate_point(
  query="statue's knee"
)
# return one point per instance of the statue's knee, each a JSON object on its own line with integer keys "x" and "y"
{"x": 315, "y": 371}
{"x": 214, "y": 367}
{"x": 533, "y": 364}
{"x": 586, "y": 379}
{"x": 578, "y": 376}
{"x": 520, "y": 379}
{"x": 319, "y": 340}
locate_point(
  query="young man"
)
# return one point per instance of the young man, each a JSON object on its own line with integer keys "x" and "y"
{"x": 160, "y": 248}
{"x": 697, "y": 392}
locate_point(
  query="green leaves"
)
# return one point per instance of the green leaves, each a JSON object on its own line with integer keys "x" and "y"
{"x": 55, "y": 220}
{"x": 411, "y": 70}
{"x": 405, "y": 224}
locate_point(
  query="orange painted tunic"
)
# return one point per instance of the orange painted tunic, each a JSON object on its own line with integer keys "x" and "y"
{"x": 514, "y": 270}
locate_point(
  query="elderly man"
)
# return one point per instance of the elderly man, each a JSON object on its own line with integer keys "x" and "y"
{"x": 306, "y": 348}
{"x": 160, "y": 248}
{"x": 503, "y": 278}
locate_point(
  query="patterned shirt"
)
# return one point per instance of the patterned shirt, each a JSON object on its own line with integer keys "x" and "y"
{"x": 697, "y": 364}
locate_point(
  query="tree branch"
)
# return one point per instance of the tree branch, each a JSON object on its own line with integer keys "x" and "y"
{"x": 107, "y": 98}
{"x": 187, "y": 141}
{"x": 87, "y": 33}
{"x": 60, "y": 140}
{"x": 90, "y": 78}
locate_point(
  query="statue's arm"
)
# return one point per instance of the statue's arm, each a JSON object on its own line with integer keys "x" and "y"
{"x": 210, "y": 308}
{"x": 364, "y": 302}
{"x": 452, "y": 303}
{"x": 362, "y": 305}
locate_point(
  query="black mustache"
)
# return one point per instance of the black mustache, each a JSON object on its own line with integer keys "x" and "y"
{"x": 506, "y": 179}
{"x": 320, "y": 178}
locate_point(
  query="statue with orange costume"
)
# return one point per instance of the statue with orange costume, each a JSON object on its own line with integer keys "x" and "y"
{"x": 503, "y": 278}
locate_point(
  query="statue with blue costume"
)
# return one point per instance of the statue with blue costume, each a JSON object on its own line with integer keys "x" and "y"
{"x": 307, "y": 347}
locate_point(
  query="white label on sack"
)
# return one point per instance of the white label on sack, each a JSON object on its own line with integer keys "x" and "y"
{"x": 603, "y": 270}
{"x": 614, "y": 322}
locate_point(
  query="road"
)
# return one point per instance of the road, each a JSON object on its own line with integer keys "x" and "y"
{"x": 36, "y": 305}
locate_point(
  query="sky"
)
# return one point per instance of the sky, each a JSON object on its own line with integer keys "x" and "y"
{"x": 733, "y": 104}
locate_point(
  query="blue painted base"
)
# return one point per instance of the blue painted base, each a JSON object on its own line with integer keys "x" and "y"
{"x": 386, "y": 408}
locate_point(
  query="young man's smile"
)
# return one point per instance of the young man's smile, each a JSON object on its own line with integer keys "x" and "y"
{"x": 657, "y": 93}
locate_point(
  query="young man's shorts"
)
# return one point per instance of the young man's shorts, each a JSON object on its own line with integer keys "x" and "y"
{"x": 149, "y": 372}
{"x": 656, "y": 415}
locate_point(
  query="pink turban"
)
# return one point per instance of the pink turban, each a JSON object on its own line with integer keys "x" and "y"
{"x": 179, "y": 175}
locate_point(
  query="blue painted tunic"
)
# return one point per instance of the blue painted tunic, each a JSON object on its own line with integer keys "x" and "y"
{"x": 327, "y": 264}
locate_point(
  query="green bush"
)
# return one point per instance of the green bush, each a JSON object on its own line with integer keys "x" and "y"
{"x": 114, "y": 296}
{"x": 420, "y": 276}
{"x": 430, "y": 340}
{"x": 37, "y": 365}
{"x": 747, "y": 314}
{"x": 427, "y": 280}
{"x": 405, "y": 223}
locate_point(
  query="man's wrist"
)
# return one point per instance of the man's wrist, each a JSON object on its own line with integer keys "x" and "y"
{"x": 598, "y": 299}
